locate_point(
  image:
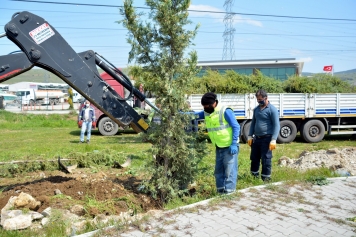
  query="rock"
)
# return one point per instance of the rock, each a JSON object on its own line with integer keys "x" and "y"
{"x": 100, "y": 219}
{"x": 10, "y": 204}
{"x": 333, "y": 151}
{"x": 44, "y": 221}
{"x": 18, "y": 222}
{"x": 47, "y": 212}
{"x": 68, "y": 216}
{"x": 36, "y": 215}
{"x": 71, "y": 168}
{"x": 284, "y": 161}
{"x": 8, "y": 214}
{"x": 57, "y": 192}
{"x": 79, "y": 225}
{"x": 78, "y": 210}
{"x": 25, "y": 200}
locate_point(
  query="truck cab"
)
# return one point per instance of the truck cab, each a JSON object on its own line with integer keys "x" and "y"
{"x": 77, "y": 98}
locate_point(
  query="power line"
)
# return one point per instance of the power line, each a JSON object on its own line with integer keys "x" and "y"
{"x": 247, "y": 49}
{"x": 214, "y": 12}
{"x": 212, "y": 32}
{"x": 195, "y": 17}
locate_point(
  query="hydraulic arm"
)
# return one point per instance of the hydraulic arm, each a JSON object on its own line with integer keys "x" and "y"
{"x": 44, "y": 47}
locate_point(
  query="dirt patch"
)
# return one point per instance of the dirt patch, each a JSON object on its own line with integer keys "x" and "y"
{"x": 105, "y": 192}
{"x": 334, "y": 159}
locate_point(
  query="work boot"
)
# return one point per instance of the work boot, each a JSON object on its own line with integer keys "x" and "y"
{"x": 266, "y": 179}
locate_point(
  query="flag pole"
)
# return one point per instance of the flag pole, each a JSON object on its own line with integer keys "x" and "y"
{"x": 332, "y": 73}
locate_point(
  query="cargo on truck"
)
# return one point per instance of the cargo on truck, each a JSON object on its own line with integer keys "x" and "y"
{"x": 37, "y": 97}
{"x": 312, "y": 115}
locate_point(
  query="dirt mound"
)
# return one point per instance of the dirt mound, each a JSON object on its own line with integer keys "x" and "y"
{"x": 110, "y": 192}
{"x": 333, "y": 159}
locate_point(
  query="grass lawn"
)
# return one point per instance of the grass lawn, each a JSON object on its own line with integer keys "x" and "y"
{"x": 45, "y": 137}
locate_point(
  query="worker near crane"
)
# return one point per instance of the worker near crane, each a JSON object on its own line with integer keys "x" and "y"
{"x": 263, "y": 135}
{"x": 223, "y": 131}
{"x": 86, "y": 121}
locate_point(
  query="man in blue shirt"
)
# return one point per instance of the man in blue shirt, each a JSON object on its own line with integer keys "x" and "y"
{"x": 265, "y": 128}
{"x": 223, "y": 131}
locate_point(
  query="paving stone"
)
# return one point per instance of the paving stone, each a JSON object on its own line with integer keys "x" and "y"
{"x": 252, "y": 218}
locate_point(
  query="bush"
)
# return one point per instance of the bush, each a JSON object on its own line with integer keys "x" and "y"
{"x": 232, "y": 82}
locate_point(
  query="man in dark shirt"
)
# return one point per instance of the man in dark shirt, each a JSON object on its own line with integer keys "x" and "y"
{"x": 265, "y": 128}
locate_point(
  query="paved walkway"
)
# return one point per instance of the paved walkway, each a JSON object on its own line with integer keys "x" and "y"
{"x": 269, "y": 210}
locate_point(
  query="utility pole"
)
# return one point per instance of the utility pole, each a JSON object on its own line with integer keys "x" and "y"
{"x": 229, "y": 49}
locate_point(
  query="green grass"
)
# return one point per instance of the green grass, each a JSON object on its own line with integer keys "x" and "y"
{"x": 45, "y": 137}
{"x": 33, "y": 137}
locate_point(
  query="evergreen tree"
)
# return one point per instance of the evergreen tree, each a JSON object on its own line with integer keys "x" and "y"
{"x": 158, "y": 45}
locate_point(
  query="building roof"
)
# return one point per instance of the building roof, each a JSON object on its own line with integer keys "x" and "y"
{"x": 253, "y": 63}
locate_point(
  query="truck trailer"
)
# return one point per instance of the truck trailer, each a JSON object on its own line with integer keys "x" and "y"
{"x": 311, "y": 114}
{"x": 37, "y": 97}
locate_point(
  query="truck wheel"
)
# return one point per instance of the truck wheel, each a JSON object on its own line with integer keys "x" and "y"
{"x": 107, "y": 127}
{"x": 287, "y": 133}
{"x": 245, "y": 131}
{"x": 313, "y": 131}
{"x": 31, "y": 103}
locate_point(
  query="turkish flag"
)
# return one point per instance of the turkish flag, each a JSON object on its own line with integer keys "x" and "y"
{"x": 328, "y": 68}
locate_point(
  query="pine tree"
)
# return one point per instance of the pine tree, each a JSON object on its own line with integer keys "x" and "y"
{"x": 158, "y": 45}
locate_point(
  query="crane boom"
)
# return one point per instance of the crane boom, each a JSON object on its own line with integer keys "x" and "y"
{"x": 42, "y": 46}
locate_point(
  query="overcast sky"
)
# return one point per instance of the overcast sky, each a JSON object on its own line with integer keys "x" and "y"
{"x": 290, "y": 30}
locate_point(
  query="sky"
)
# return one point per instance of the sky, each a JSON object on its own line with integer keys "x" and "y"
{"x": 263, "y": 29}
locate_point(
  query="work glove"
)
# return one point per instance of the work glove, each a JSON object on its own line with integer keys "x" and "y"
{"x": 233, "y": 149}
{"x": 249, "y": 140}
{"x": 93, "y": 124}
{"x": 272, "y": 145}
{"x": 80, "y": 123}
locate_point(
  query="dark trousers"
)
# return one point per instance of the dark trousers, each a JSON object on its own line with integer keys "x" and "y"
{"x": 260, "y": 153}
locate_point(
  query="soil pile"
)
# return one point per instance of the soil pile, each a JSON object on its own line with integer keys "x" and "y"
{"x": 334, "y": 159}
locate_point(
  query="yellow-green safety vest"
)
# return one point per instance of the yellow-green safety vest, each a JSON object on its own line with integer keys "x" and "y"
{"x": 219, "y": 130}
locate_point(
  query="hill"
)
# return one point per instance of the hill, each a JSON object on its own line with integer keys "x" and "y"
{"x": 39, "y": 75}
{"x": 349, "y": 75}
{"x": 35, "y": 75}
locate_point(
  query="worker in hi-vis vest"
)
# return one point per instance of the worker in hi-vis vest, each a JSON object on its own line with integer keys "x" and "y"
{"x": 223, "y": 131}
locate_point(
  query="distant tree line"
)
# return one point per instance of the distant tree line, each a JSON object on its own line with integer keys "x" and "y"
{"x": 232, "y": 82}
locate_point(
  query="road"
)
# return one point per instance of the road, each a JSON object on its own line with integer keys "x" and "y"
{"x": 43, "y": 109}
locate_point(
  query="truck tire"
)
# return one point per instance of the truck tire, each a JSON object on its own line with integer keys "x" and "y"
{"x": 313, "y": 131}
{"x": 245, "y": 131}
{"x": 287, "y": 133}
{"x": 107, "y": 127}
{"x": 31, "y": 103}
